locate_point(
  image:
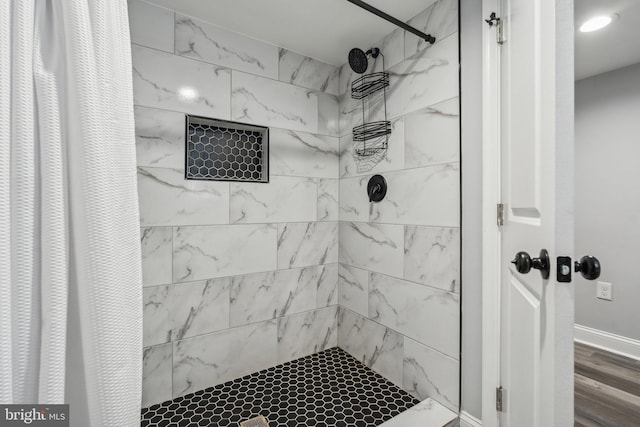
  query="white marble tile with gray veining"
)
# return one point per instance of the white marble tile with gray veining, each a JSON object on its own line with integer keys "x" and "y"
{"x": 393, "y": 159}
{"x": 175, "y": 312}
{"x": 350, "y": 110}
{"x": 159, "y": 138}
{"x": 440, "y": 20}
{"x": 156, "y": 374}
{"x": 167, "y": 198}
{"x": 156, "y": 246}
{"x": 427, "y": 413}
{"x": 270, "y": 103}
{"x": 303, "y": 244}
{"x": 283, "y": 199}
{"x": 156, "y": 312}
{"x": 213, "y": 359}
{"x": 422, "y": 196}
{"x": 171, "y": 82}
{"x": 378, "y": 347}
{"x": 307, "y": 72}
{"x": 210, "y": 43}
{"x": 296, "y": 153}
{"x": 328, "y": 195}
{"x": 353, "y": 288}
{"x": 426, "y": 79}
{"x": 354, "y": 112}
{"x": 265, "y": 296}
{"x": 392, "y": 49}
{"x": 354, "y": 201}
{"x": 219, "y": 251}
{"x": 429, "y": 316}
{"x": 429, "y": 373}
{"x": 150, "y": 25}
{"x": 346, "y": 76}
{"x": 374, "y": 247}
{"x": 199, "y": 307}
{"x": 307, "y": 333}
{"x": 327, "y": 289}
{"x": 432, "y": 257}
{"x": 432, "y": 135}
{"x": 328, "y": 115}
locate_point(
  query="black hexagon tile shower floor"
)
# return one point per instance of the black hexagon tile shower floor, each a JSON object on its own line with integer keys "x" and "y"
{"x": 326, "y": 389}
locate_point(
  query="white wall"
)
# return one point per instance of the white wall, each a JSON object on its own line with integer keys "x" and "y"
{"x": 471, "y": 164}
{"x": 238, "y": 276}
{"x": 607, "y": 194}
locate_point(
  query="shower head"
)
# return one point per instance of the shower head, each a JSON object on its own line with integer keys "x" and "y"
{"x": 358, "y": 60}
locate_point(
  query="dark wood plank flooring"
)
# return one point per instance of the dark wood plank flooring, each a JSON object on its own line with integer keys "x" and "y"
{"x": 607, "y": 389}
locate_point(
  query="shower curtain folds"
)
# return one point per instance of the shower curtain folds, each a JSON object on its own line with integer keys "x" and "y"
{"x": 70, "y": 275}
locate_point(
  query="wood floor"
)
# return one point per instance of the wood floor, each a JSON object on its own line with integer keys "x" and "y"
{"x": 607, "y": 389}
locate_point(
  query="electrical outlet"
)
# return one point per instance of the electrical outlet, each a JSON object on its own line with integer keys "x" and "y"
{"x": 604, "y": 290}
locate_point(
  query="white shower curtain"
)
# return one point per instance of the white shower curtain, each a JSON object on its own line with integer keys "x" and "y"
{"x": 70, "y": 276}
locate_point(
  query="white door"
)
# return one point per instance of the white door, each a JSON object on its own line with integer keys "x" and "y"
{"x": 535, "y": 112}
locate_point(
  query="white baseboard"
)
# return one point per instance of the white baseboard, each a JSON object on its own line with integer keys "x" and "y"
{"x": 610, "y": 342}
{"x": 467, "y": 420}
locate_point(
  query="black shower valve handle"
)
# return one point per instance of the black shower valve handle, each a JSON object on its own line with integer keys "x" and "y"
{"x": 373, "y": 191}
{"x": 376, "y": 188}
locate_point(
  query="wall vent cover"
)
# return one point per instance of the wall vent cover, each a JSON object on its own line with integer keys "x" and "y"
{"x": 221, "y": 150}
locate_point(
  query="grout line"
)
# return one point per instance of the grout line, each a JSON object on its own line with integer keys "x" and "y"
{"x": 275, "y": 223}
{"x": 244, "y": 325}
{"x": 214, "y": 64}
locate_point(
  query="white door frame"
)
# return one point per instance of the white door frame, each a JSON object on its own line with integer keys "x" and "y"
{"x": 491, "y": 265}
{"x": 491, "y": 163}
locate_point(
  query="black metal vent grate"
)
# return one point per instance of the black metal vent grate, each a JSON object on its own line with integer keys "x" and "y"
{"x": 221, "y": 150}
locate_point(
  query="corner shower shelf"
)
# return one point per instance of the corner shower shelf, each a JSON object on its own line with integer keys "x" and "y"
{"x": 372, "y": 137}
{"x": 371, "y": 130}
{"x": 369, "y": 84}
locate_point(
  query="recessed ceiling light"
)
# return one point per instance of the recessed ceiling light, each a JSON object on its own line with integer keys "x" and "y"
{"x": 596, "y": 23}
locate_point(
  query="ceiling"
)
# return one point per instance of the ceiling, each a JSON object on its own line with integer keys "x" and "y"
{"x": 328, "y": 29}
{"x": 613, "y": 47}
{"x": 322, "y": 29}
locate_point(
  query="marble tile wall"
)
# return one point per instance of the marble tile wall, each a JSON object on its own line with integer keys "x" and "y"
{"x": 238, "y": 277}
{"x": 399, "y": 272}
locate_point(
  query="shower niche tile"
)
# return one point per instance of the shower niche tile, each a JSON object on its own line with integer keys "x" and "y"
{"x": 220, "y": 150}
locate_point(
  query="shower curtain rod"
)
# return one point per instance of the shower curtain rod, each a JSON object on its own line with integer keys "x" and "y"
{"x": 428, "y": 37}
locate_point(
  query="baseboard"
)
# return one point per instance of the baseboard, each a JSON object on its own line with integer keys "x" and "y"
{"x": 617, "y": 344}
{"x": 468, "y": 420}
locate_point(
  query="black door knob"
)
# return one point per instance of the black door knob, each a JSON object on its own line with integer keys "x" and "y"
{"x": 589, "y": 267}
{"x": 524, "y": 263}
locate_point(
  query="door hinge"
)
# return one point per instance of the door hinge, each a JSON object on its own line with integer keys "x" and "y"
{"x": 495, "y": 20}
{"x": 499, "y": 399}
{"x": 500, "y": 214}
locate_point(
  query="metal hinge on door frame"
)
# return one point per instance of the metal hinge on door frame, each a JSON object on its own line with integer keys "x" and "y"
{"x": 499, "y": 392}
{"x": 495, "y": 20}
{"x": 500, "y": 214}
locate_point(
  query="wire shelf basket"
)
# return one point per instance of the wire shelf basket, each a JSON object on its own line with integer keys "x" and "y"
{"x": 371, "y": 130}
{"x": 369, "y": 84}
